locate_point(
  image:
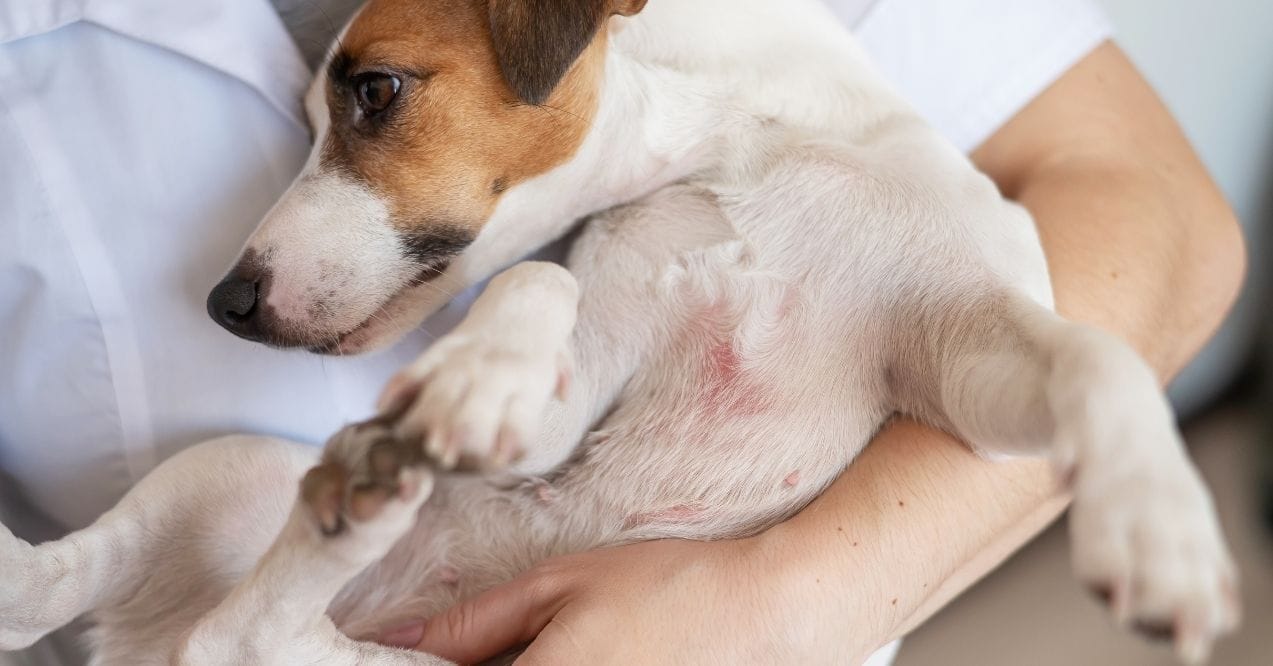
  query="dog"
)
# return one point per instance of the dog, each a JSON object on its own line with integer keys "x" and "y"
{"x": 776, "y": 255}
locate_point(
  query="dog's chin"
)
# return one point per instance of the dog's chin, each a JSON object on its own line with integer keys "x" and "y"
{"x": 396, "y": 317}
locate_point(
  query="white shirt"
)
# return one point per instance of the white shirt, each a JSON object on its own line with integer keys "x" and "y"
{"x": 142, "y": 146}
{"x": 142, "y": 142}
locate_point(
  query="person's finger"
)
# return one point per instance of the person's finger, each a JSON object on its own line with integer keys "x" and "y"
{"x": 495, "y": 621}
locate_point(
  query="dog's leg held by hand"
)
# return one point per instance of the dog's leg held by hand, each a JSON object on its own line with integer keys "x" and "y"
{"x": 44, "y": 587}
{"x": 106, "y": 564}
{"x": 1012, "y": 378}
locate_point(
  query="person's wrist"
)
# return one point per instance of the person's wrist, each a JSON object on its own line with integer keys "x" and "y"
{"x": 816, "y": 598}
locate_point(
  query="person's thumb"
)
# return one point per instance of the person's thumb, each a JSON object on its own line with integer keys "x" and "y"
{"x": 487, "y": 625}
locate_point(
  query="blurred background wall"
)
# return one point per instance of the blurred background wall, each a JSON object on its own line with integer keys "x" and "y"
{"x": 1212, "y": 62}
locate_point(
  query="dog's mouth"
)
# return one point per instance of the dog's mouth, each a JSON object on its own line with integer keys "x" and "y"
{"x": 393, "y": 317}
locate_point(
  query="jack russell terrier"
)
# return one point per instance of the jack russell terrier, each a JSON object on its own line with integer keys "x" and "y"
{"x": 778, "y": 254}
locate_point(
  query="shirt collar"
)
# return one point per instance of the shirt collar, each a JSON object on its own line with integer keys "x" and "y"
{"x": 242, "y": 38}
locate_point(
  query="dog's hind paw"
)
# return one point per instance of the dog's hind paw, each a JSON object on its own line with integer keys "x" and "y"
{"x": 1146, "y": 539}
{"x": 368, "y": 488}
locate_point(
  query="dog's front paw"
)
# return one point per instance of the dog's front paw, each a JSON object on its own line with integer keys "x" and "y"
{"x": 477, "y": 400}
{"x": 1146, "y": 539}
{"x": 369, "y": 484}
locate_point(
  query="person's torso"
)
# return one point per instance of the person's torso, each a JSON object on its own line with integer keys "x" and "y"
{"x": 138, "y": 159}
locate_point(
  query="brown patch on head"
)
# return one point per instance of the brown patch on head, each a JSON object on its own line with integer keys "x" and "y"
{"x": 536, "y": 41}
{"x": 458, "y": 132}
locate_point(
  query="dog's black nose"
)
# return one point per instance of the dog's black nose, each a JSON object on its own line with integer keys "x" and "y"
{"x": 233, "y": 305}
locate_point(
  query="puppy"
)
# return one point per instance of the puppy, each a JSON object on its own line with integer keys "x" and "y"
{"x": 778, "y": 255}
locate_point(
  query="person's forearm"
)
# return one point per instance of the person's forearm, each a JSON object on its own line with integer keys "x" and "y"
{"x": 1141, "y": 246}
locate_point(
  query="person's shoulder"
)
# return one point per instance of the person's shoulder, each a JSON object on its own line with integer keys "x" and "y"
{"x": 851, "y": 12}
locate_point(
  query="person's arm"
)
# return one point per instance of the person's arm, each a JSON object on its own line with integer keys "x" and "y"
{"x": 1139, "y": 242}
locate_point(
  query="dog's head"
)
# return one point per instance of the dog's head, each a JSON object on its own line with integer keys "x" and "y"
{"x": 426, "y": 114}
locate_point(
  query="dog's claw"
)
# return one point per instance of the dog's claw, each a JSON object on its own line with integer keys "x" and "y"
{"x": 1156, "y": 630}
{"x": 450, "y": 459}
{"x": 1103, "y": 593}
{"x": 476, "y": 399}
{"x": 1151, "y": 549}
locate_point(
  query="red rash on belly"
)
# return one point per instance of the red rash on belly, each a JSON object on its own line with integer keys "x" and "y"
{"x": 727, "y": 389}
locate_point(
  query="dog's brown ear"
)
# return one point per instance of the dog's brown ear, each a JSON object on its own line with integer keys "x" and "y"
{"x": 537, "y": 41}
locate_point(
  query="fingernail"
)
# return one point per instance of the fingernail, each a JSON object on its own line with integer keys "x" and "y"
{"x": 406, "y": 636}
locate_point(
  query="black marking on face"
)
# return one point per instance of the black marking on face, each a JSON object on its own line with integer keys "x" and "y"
{"x": 435, "y": 245}
{"x": 340, "y": 68}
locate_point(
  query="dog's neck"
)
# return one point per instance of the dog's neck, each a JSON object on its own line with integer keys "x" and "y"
{"x": 682, "y": 94}
{"x": 647, "y": 133}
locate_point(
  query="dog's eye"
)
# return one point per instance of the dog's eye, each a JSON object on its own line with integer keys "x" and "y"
{"x": 376, "y": 91}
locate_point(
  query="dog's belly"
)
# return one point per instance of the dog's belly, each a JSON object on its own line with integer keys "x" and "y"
{"x": 734, "y": 448}
{"x": 767, "y": 381}
{"x": 637, "y": 481}
{"x": 746, "y": 436}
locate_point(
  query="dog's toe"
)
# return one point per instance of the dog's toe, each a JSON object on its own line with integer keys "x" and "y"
{"x": 368, "y": 476}
{"x": 477, "y": 401}
{"x": 323, "y": 491}
{"x": 1149, "y": 546}
{"x": 1156, "y": 630}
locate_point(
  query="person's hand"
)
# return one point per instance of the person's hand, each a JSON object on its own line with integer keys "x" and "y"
{"x": 657, "y": 602}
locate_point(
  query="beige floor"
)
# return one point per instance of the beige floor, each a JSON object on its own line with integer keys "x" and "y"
{"x": 1030, "y": 613}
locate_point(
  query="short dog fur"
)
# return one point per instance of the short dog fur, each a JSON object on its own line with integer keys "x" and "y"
{"x": 777, "y": 255}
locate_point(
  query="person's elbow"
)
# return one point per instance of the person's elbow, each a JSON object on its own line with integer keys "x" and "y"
{"x": 1212, "y": 271}
{"x": 1226, "y": 259}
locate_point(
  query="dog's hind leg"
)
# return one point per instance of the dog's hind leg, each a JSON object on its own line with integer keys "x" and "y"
{"x": 44, "y": 587}
{"x": 147, "y": 537}
{"x": 1012, "y": 378}
{"x": 353, "y": 507}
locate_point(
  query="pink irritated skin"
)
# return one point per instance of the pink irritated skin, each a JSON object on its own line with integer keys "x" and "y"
{"x": 728, "y": 390}
{"x": 793, "y": 479}
{"x": 545, "y": 494}
{"x": 449, "y": 575}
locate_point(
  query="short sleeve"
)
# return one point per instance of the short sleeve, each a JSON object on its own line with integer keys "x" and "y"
{"x": 970, "y": 65}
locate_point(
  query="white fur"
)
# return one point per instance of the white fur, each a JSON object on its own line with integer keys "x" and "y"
{"x": 793, "y": 257}
{"x": 329, "y": 241}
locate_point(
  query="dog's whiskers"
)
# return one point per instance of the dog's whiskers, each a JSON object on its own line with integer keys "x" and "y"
{"x": 438, "y": 289}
